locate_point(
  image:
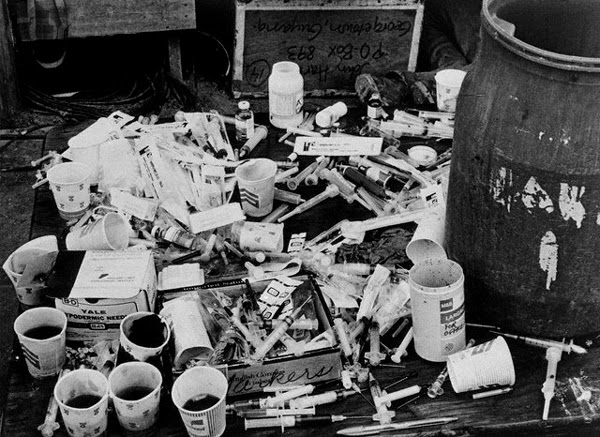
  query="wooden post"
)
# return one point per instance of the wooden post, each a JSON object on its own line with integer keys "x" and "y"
{"x": 9, "y": 89}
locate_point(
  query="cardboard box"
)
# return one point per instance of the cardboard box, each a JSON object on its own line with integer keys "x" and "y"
{"x": 97, "y": 289}
{"x": 312, "y": 367}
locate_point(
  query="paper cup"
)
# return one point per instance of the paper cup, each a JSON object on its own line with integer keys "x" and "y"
{"x": 135, "y": 390}
{"x": 428, "y": 239}
{"x": 15, "y": 265}
{"x": 448, "y": 84}
{"x": 193, "y": 384}
{"x": 423, "y": 155}
{"x": 190, "y": 337}
{"x": 486, "y": 365}
{"x": 70, "y": 185}
{"x": 82, "y": 397}
{"x": 438, "y": 308}
{"x": 42, "y": 336}
{"x": 111, "y": 232}
{"x": 85, "y": 146}
{"x": 256, "y": 181}
{"x": 139, "y": 336}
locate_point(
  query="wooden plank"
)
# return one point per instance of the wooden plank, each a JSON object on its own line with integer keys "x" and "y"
{"x": 113, "y": 17}
{"x": 175, "y": 67}
{"x": 331, "y": 42}
{"x": 9, "y": 88}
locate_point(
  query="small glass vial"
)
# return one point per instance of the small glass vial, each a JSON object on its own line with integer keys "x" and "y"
{"x": 374, "y": 106}
{"x": 244, "y": 121}
{"x": 174, "y": 235}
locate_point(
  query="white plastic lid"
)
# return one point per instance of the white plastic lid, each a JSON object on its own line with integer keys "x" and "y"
{"x": 244, "y": 105}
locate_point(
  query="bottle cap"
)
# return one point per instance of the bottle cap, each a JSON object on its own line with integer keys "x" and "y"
{"x": 244, "y": 105}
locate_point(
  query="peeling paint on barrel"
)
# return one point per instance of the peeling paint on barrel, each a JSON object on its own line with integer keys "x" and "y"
{"x": 549, "y": 257}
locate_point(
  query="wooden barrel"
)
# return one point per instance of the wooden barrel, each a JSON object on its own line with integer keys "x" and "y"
{"x": 523, "y": 215}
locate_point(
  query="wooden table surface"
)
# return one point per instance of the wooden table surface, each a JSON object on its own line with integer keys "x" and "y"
{"x": 519, "y": 412}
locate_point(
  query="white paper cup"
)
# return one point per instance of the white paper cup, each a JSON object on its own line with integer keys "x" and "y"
{"x": 428, "y": 240}
{"x": 256, "y": 181}
{"x": 196, "y": 382}
{"x": 70, "y": 185}
{"x": 448, "y": 84}
{"x": 111, "y": 232}
{"x": 42, "y": 336}
{"x": 15, "y": 264}
{"x": 190, "y": 338}
{"x": 85, "y": 146}
{"x": 131, "y": 325}
{"x": 135, "y": 390}
{"x": 74, "y": 389}
{"x": 486, "y": 365}
{"x": 438, "y": 308}
{"x": 423, "y": 155}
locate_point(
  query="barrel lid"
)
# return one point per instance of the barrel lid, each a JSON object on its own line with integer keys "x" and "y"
{"x": 503, "y": 32}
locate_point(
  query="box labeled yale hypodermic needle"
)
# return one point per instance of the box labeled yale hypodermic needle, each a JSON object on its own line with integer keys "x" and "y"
{"x": 96, "y": 289}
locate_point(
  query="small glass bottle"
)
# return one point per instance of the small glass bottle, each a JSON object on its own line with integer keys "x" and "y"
{"x": 244, "y": 121}
{"x": 174, "y": 235}
{"x": 374, "y": 106}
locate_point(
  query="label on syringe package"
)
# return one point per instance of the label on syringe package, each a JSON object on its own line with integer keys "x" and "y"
{"x": 338, "y": 146}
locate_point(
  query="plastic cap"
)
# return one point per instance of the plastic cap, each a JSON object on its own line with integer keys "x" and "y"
{"x": 244, "y": 105}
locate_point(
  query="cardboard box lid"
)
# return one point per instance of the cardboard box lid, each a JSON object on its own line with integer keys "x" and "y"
{"x": 99, "y": 274}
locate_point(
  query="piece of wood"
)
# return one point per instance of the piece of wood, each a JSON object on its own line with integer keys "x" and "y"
{"x": 9, "y": 88}
{"x": 332, "y": 42}
{"x": 175, "y": 67}
{"x": 111, "y": 17}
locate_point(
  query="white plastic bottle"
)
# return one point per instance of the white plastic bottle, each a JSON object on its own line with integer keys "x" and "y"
{"x": 286, "y": 95}
{"x": 326, "y": 117}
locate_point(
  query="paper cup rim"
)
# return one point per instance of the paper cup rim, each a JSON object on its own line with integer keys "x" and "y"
{"x": 60, "y": 167}
{"x": 268, "y": 161}
{"x": 122, "y": 241}
{"x": 31, "y": 244}
{"x": 414, "y": 150}
{"x": 37, "y": 310}
{"x": 134, "y": 364}
{"x": 141, "y": 314}
{"x": 70, "y": 375}
{"x": 195, "y": 370}
{"x": 450, "y": 77}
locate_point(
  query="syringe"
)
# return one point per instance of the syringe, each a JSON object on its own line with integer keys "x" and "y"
{"x": 388, "y": 398}
{"x": 401, "y": 351}
{"x": 360, "y": 227}
{"x": 328, "y": 397}
{"x": 292, "y": 183}
{"x": 260, "y": 133}
{"x": 277, "y": 333}
{"x": 301, "y": 324}
{"x": 545, "y": 343}
{"x": 374, "y": 355}
{"x": 313, "y": 178}
{"x": 292, "y": 421}
{"x": 383, "y": 415}
{"x": 553, "y": 355}
{"x": 340, "y": 329}
{"x": 330, "y": 191}
{"x": 435, "y": 389}
{"x": 288, "y": 197}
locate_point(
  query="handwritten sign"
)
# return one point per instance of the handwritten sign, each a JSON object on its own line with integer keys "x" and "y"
{"x": 332, "y": 44}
